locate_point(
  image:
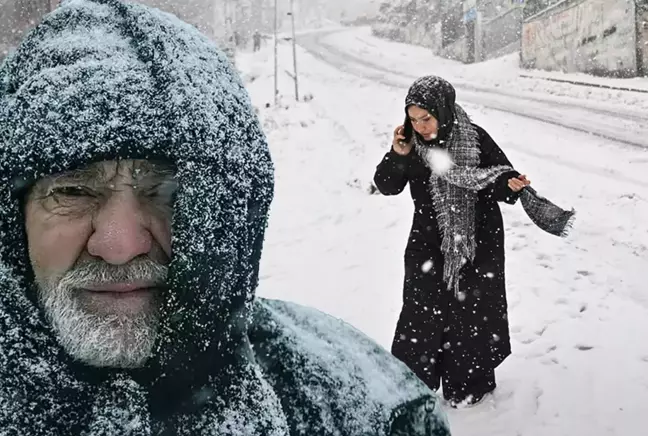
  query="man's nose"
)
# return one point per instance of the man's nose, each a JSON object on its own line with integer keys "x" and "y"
{"x": 120, "y": 229}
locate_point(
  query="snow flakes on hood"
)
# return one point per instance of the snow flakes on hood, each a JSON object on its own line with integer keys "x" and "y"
{"x": 352, "y": 384}
{"x": 104, "y": 80}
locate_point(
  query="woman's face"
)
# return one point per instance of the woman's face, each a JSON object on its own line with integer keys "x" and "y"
{"x": 423, "y": 122}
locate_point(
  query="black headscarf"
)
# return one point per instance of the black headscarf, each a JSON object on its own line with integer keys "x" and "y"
{"x": 437, "y": 96}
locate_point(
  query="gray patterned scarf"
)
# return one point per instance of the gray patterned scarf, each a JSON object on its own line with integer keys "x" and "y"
{"x": 455, "y": 184}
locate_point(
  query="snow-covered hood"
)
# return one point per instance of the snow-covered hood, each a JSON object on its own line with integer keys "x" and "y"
{"x": 103, "y": 79}
{"x": 437, "y": 96}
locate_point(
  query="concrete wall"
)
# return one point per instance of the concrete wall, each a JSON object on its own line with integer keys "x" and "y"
{"x": 424, "y": 35}
{"x": 458, "y": 50}
{"x": 642, "y": 42}
{"x": 389, "y": 31}
{"x": 591, "y": 36}
{"x": 502, "y": 34}
{"x": 497, "y": 28}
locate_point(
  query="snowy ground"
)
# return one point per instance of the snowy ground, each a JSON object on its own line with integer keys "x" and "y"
{"x": 578, "y": 307}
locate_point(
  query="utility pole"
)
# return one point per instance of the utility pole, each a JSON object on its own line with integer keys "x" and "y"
{"x": 276, "y": 64}
{"x": 294, "y": 47}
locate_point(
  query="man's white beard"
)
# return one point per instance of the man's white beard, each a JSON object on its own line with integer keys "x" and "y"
{"x": 109, "y": 339}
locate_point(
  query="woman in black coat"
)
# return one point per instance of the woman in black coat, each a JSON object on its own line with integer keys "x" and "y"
{"x": 453, "y": 325}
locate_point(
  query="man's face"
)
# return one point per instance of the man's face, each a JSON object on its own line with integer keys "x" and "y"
{"x": 99, "y": 244}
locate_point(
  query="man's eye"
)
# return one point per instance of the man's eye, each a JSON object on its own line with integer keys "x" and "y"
{"x": 72, "y": 192}
{"x": 163, "y": 191}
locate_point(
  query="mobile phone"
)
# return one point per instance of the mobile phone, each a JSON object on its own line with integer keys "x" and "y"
{"x": 408, "y": 130}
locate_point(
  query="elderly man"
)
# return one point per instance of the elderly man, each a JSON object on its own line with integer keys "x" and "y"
{"x": 135, "y": 183}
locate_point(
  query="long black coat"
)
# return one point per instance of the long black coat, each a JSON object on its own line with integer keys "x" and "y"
{"x": 437, "y": 335}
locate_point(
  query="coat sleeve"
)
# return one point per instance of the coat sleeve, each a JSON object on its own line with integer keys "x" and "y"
{"x": 391, "y": 174}
{"x": 492, "y": 155}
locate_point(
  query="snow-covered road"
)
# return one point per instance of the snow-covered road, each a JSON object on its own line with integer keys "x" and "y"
{"x": 356, "y": 52}
{"x": 578, "y": 307}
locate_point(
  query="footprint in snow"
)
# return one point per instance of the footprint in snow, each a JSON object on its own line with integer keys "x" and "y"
{"x": 519, "y": 246}
{"x": 393, "y": 224}
{"x": 538, "y": 334}
{"x": 550, "y": 361}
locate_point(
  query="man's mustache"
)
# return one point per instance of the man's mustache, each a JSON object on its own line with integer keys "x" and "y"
{"x": 95, "y": 272}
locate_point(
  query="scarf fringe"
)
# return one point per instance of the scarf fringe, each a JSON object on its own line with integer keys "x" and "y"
{"x": 455, "y": 193}
{"x": 569, "y": 223}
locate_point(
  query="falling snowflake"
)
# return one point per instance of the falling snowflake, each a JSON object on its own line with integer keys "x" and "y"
{"x": 439, "y": 161}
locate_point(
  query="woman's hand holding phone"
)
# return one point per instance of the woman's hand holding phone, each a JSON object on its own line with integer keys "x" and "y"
{"x": 399, "y": 144}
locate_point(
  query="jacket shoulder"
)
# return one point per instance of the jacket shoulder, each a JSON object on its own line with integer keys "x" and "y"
{"x": 331, "y": 378}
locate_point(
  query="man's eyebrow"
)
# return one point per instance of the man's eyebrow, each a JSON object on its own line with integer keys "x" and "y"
{"x": 80, "y": 176}
{"x": 152, "y": 170}
{"x": 96, "y": 174}
{"x": 84, "y": 175}
{"x": 160, "y": 170}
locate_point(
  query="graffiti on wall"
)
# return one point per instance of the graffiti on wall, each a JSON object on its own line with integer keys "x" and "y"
{"x": 592, "y": 36}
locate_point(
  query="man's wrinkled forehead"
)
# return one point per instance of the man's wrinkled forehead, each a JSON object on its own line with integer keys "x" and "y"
{"x": 108, "y": 172}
